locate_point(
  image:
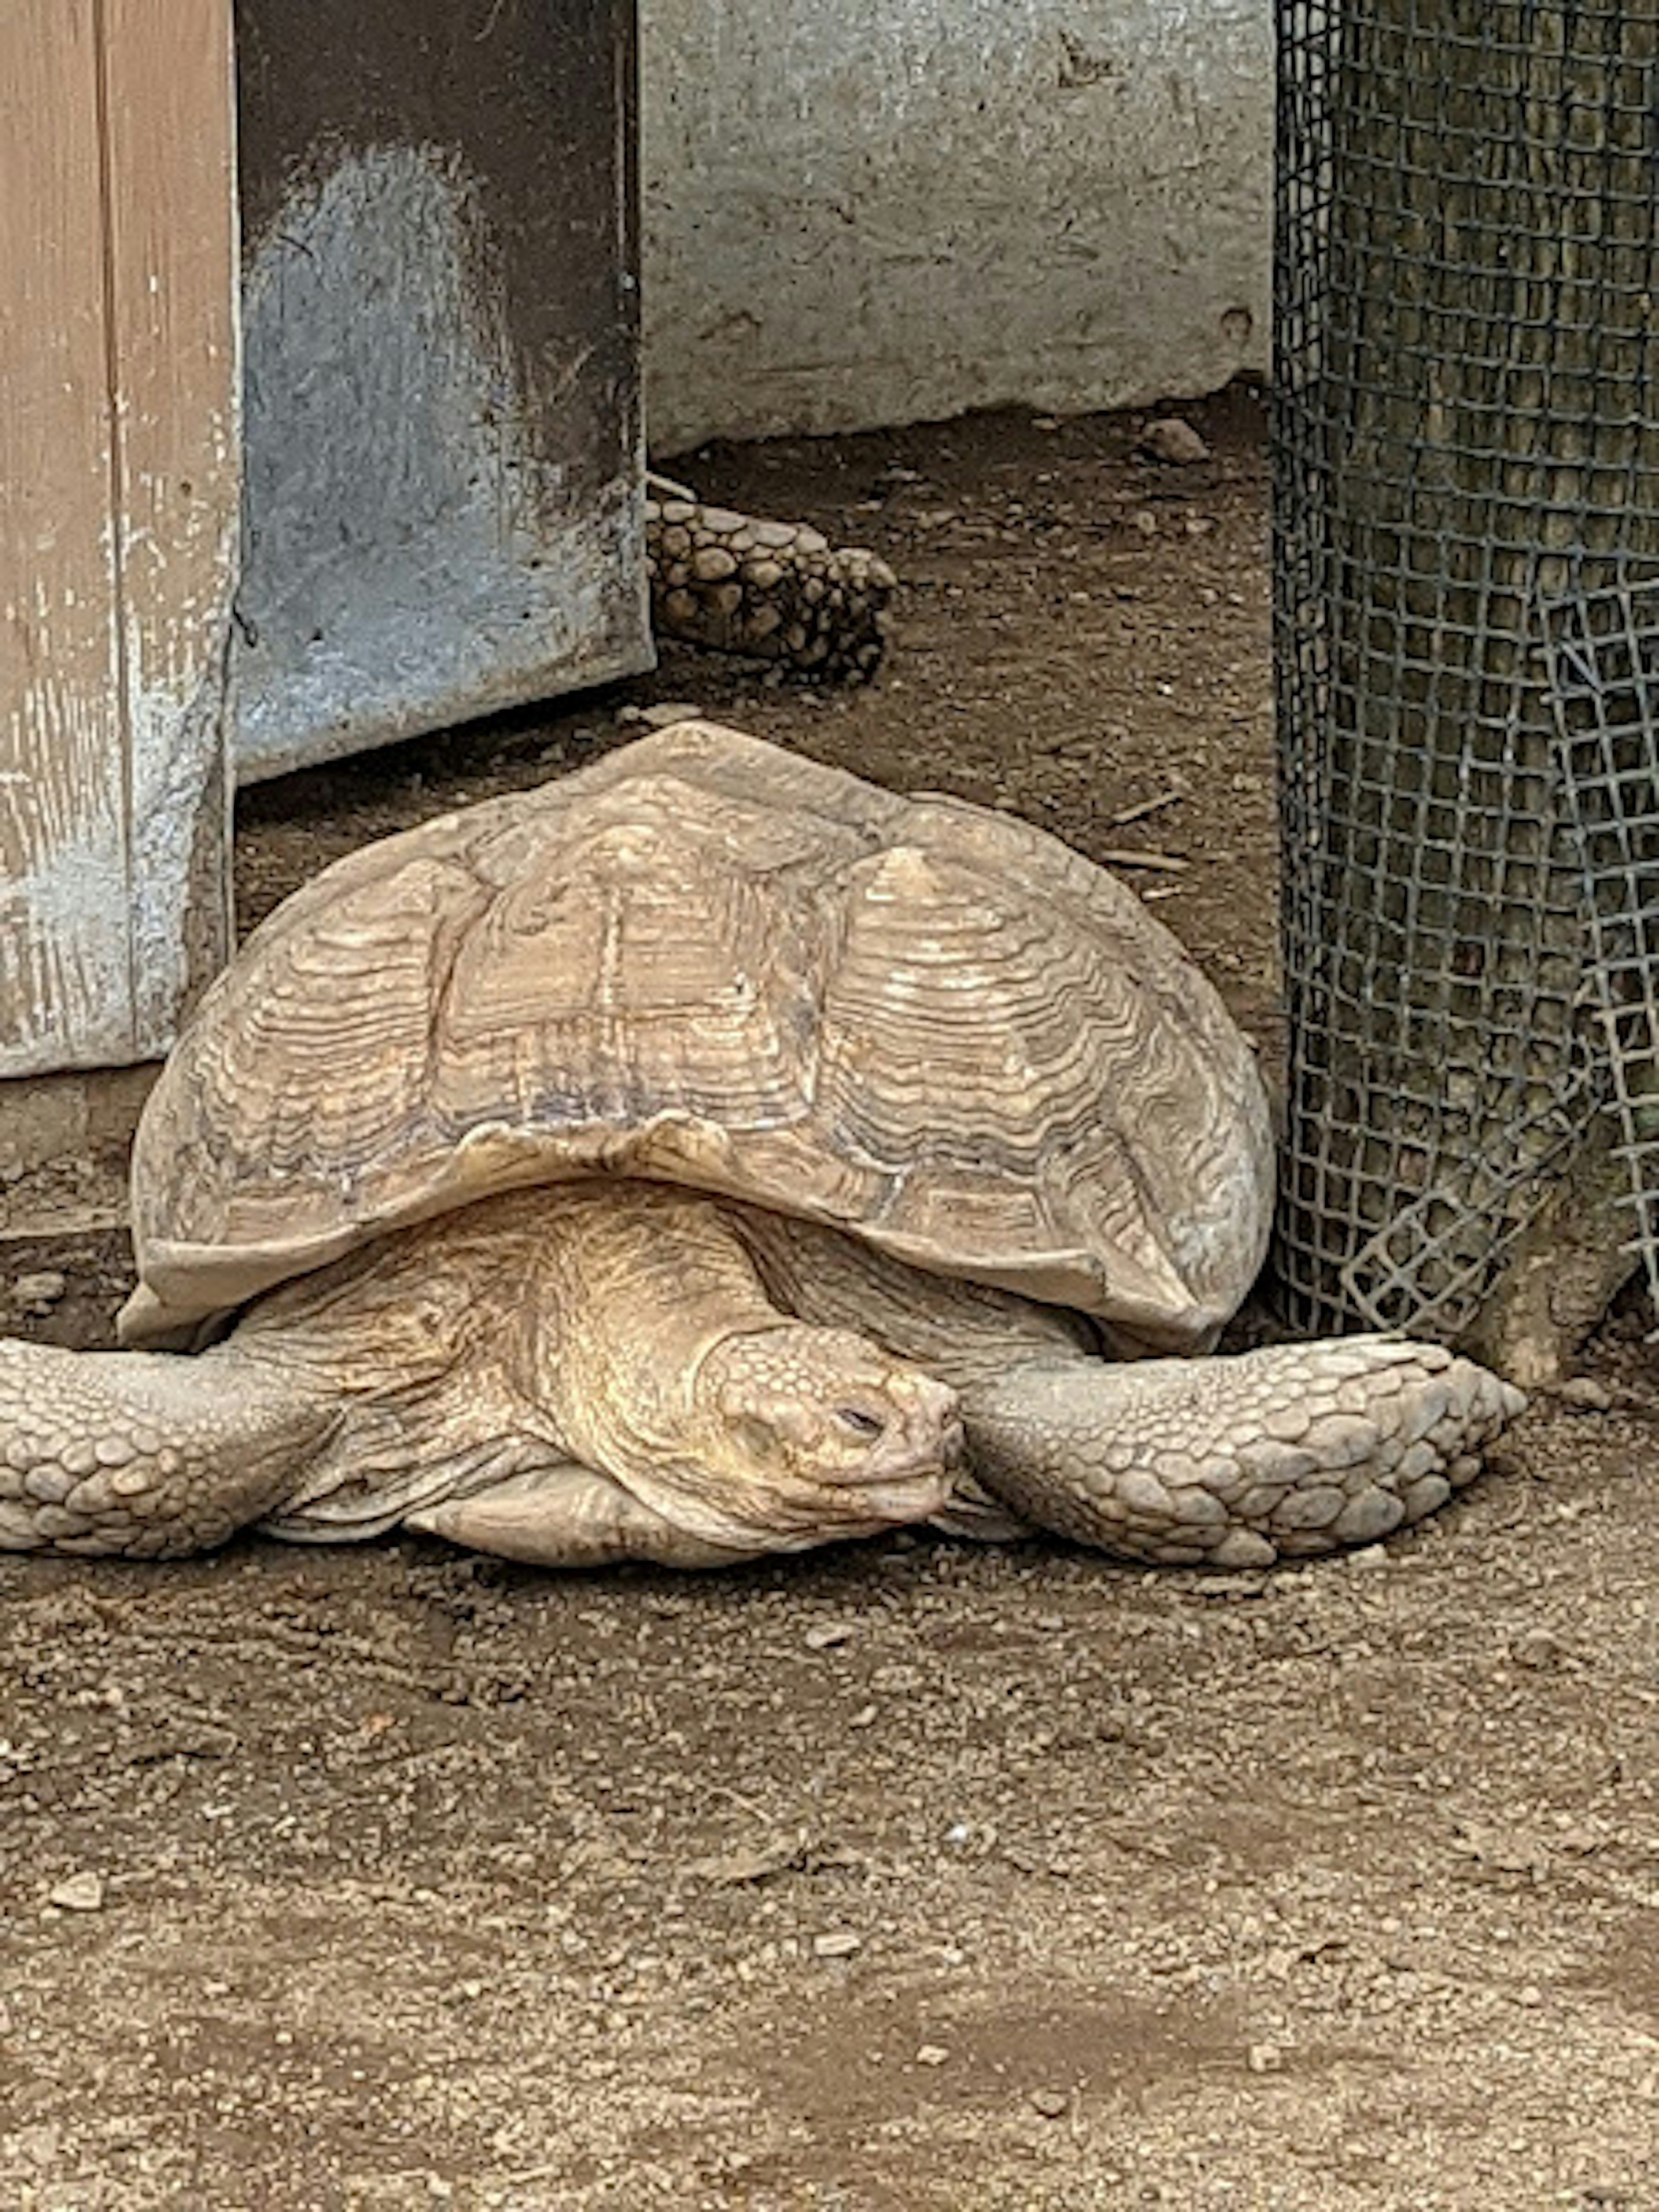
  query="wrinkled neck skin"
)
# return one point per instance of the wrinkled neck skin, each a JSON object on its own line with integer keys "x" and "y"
{"x": 635, "y": 1290}
{"x": 668, "y": 1368}
{"x": 619, "y": 1324}
{"x": 579, "y": 1322}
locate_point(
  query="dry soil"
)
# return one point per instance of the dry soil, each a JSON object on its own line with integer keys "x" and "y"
{"x": 913, "y": 1877}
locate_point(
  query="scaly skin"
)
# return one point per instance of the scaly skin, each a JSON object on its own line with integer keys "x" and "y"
{"x": 143, "y": 1453}
{"x": 569, "y": 1374}
{"x": 617, "y": 1370}
{"x": 1236, "y": 1462}
{"x": 777, "y": 591}
{"x": 1226, "y": 1462}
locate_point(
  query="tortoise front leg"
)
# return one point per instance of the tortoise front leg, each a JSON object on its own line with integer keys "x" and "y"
{"x": 1297, "y": 1449}
{"x": 149, "y": 1454}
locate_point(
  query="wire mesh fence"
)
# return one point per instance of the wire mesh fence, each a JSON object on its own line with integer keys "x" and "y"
{"x": 1604, "y": 679}
{"x": 1466, "y": 432}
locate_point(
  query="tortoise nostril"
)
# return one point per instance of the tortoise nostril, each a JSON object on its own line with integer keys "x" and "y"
{"x": 862, "y": 1424}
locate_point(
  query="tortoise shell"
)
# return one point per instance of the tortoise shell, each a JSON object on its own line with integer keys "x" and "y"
{"x": 706, "y": 960}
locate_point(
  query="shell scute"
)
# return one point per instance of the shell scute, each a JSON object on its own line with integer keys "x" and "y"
{"x": 703, "y": 959}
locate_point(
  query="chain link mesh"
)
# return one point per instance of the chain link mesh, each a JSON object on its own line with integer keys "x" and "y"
{"x": 1466, "y": 366}
{"x": 1604, "y": 669}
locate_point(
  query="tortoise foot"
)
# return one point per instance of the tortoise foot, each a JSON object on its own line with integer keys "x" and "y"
{"x": 1235, "y": 1462}
{"x": 777, "y": 591}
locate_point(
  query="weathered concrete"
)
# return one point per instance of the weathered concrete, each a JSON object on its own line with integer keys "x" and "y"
{"x": 63, "y": 1146}
{"x": 895, "y": 209}
{"x": 443, "y": 513}
{"x": 410, "y": 561}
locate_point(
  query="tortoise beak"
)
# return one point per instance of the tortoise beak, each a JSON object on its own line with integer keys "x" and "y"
{"x": 908, "y": 1470}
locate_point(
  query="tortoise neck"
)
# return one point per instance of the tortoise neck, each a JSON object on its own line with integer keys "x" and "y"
{"x": 639, "y": 1283}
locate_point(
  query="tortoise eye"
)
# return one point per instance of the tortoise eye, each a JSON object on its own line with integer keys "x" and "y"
{"x": 860, "y": 1423}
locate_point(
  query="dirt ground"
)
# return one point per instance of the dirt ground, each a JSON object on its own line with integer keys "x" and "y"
{"x": 913, "y": 1877}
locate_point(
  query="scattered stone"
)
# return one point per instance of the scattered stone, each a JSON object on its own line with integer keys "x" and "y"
{"x": 1264, "y": 2059}
{"x": 1173, "y": 441}
{"x": 40, "y": 2145}
{"x": 1053, "y": 2104}
{"x": 755, "y": 1863}
{"x": 1584, "y": 1395}
{"x": 824, "y": 1635}
{"x": 1539, "y": 1651}
{"x": 38, "y": 1293}
{"x": 837, "y": 1943}
{"x": 670, "y": 711}
{"x": 932, "y": 2054}
{"x": 1147, "y": 522}
{"x": 1367, "y": 1558}
{"x": 78, "y": 1892}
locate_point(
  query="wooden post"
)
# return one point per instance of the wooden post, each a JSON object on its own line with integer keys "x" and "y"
{"x": 118, "y": 514}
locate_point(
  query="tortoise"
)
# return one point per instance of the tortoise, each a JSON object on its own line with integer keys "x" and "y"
{"x": 709, "y": 1154}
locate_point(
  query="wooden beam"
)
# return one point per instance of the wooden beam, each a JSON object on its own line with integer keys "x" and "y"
{"x": 118, "y": 514}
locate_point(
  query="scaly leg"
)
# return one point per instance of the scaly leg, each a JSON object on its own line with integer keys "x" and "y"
{"x": 151, "y": 1454}
{"x": 1297, "y": 1449}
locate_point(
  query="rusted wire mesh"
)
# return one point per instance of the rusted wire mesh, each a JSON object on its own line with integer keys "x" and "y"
{"x": 1466, "y": 431}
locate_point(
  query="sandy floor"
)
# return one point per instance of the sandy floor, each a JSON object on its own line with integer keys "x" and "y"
{"x": 913, "y": 1878}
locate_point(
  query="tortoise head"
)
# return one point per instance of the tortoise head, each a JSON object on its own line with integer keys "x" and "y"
{"x": 807, "y": 1436}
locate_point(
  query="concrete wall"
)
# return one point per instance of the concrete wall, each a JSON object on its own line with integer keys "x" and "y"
{"x": 883, "y": 210}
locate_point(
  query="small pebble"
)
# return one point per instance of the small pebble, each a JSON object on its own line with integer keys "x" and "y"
{"x": 932, "y": 2054}
{"x": 78, "y": 1892}
{"x": 1586, "y": 1395}
{"x": 1174, "y": 441}
{"x": 1053, "y": 2104}
{"x": 1538, "y": 1651}
{"x": 838, "y": 1943}
{"x": 1264, "y": 2059}
{"x": 669, "y": 712}
{"x": 1368, "y": 1557}
{"x": 38, "y": 1293}
{"x": 824, "y": 1635}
